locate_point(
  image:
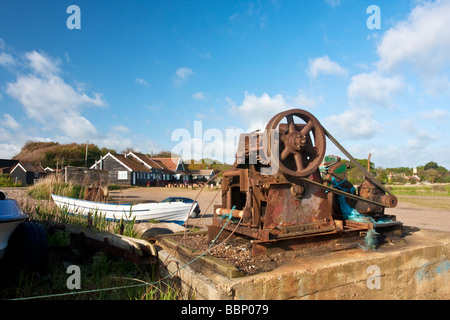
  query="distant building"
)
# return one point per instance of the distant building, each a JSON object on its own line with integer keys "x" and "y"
{"x": 137, "y": 169}
{"x": 202, "y": 175}
{"x": 27, "y": 174}
{"x": 7, "y": 164}
{"x": 176, "y": 166}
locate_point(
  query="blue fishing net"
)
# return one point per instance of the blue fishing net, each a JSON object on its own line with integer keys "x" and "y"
{"x": 372, "y": 238}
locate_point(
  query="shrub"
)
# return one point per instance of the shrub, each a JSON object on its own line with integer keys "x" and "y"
{"x": 6, "y": 181}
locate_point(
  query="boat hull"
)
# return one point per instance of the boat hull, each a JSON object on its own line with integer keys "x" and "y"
{"x": 142, "y": 212}
{"x": 10, "y": 217}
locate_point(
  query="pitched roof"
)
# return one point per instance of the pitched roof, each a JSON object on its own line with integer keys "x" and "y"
{"x": 130, "y": 163}
{"x": 29, "y": 167}
{"x": 169, "y": 163}
{"x": 146, "y": 160}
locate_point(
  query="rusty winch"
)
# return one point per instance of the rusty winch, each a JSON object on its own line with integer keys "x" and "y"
{"x": 284, "y": 192}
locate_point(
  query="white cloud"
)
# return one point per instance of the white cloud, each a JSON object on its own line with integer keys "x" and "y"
{"x": 199, "y": 96}
{"x": 303, "y": 101}
{"x": 47, "y": 98}
{"x": 421, "y": 139}
{"x": 41, "y": 64}
{"x": 121, "y": 129}
{"x": 6, "y": 59}
{"x": 423, "y": 39}
{"x": 437, "y": 115}
{"x": 182, "y": 75}
{"x": 142, "y": 82}
{"x": 354, "y": 124}
{"x": 374, "y": 88}
{"x": 333, "y": 3}
{"x": 323, "y": 65}
{"x": 257, "y": 111}
{"x": 10, "y": 122}
{"x": 8, "y": 150}
{"x": 420, "y": 43}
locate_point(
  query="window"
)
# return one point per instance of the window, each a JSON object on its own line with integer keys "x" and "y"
{"x": 122, "y": 175}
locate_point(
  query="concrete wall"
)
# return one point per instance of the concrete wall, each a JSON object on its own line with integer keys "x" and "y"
{"x": 417, "y": 267}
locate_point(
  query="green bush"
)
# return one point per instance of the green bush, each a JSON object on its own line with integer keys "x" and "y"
{"x": 6, "y": 181}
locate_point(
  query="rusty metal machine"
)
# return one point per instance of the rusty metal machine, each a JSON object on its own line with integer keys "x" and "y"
{"x": 284, "y": 192}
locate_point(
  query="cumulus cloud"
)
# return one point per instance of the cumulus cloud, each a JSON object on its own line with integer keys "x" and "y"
{"x": 6, "y": 59}
{"x": 259, "y": 110}
{"x": 304, "y": 101}
{"x": 182, "y": 75}
{"x": 354, "y": 124}
{"x": 323, "y": 65}
{"x": 10, "y": 122}
{"x": 49, "y": 100}
{"x": 374, "y": 88}
{"x": 423, "y": 39}
{"x": 438, "y": 115}
{"x": 41, "y": 64}
{"x": 420, "y": 43}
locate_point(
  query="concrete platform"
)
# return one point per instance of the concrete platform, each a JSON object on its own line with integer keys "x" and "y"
{"x": 417, "y": 267}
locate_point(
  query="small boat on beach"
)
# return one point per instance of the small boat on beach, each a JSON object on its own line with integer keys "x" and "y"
{"x": 176, "y": 212}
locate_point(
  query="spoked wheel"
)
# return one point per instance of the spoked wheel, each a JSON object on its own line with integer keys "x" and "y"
{"x": 301, "y": 142}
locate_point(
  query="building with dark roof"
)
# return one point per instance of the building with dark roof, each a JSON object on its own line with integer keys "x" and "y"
{"x": 27, "y": 174}
{"x": 137, "y": 169}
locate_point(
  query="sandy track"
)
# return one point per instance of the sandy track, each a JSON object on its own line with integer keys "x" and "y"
{"x": 421, "y": 217}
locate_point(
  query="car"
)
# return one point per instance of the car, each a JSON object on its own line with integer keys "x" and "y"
{"x": 194, "y": 213}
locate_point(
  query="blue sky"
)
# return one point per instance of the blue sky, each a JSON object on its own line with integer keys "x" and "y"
{"x": 147, "y": 74}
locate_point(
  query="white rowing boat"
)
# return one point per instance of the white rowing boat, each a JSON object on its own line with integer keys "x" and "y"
{"x": 176, "y": 212}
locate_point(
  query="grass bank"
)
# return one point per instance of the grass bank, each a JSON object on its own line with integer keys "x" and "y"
{"x": 103, "y": 276}
{"x": 427, "y": 196}
{"x": 438, "y": 190}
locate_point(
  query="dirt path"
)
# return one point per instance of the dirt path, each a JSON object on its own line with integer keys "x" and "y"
{"x": 421, "y": 217}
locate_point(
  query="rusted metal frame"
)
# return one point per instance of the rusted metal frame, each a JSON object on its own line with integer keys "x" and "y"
{"x": 343, "y": 193}
{"x": 310, "y": 232}
{"x": 243, "y": 229}
{"x": 356, "y": 163}
{"x": 314, "y": 241}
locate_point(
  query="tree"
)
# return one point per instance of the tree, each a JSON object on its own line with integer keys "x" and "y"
{"x": 432, "y": 175}
{"x": 430, "y": 165}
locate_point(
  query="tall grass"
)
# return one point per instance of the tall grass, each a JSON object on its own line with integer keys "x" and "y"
{"x": 422, "y": 190}
{"x": 99, "y": 272}
{"x": 43, "y": 189}
{"x": 48, "y": 211}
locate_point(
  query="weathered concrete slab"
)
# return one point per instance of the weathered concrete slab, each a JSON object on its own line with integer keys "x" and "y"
{"x": 418, "y": 268}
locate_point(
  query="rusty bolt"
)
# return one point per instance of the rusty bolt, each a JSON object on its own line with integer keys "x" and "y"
{"x": 297, "y": 190}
